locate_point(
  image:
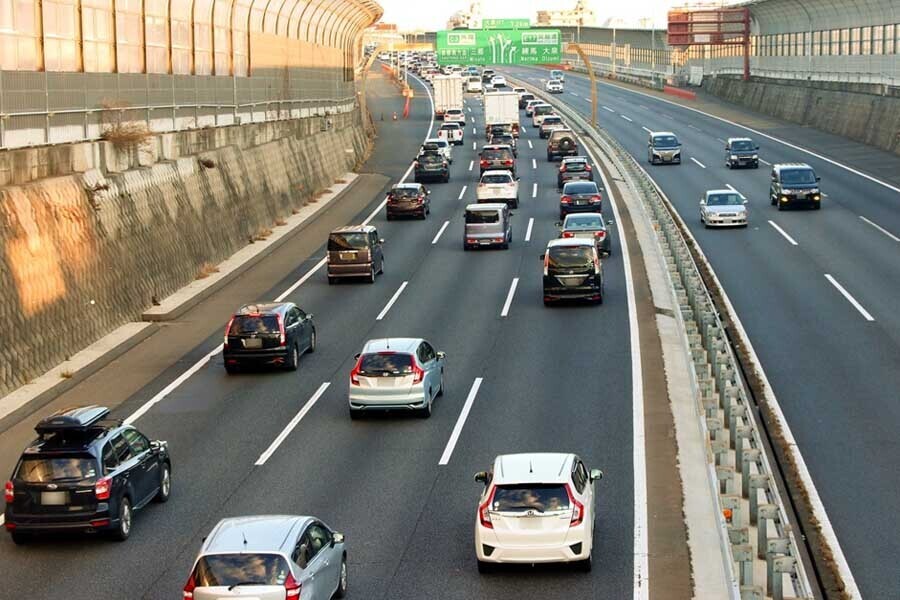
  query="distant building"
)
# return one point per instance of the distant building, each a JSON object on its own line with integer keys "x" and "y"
{"x": 581, "y": 15}
{"x": 466, "y": 19}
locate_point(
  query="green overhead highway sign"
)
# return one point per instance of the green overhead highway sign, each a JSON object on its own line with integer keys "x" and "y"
{"x": 498, "y": 47}
{"x": 505, "y": 23}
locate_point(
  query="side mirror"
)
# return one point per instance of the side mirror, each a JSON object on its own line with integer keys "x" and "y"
{"x": 309, "y": 316}
{"x": 338, "y": 538}
{"x": 596, "y": 474}
{"x": 481, "y": 477}
{"x": 558, "y": 224}
{"x": 610, "y": 223}
{"x": 356, "y": 356}
{"x": 155, "y": 445}
{"x": 380, "y": 240}
{"x": 818, "y": 178}
{"x": 542, "y": 257}
{"x": 518, "y": 178}
{"x": 702, "y": 202}
{"x": 745, "y": 201}
{"x": 757, "y": 148}
{"x": 427, "y": 192}
{"x": 442, "y": 355}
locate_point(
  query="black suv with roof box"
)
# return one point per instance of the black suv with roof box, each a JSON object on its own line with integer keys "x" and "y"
{"x": 85, "y": 473}
{"x": 431, "y": 165}
{"x": 275, "y": 333}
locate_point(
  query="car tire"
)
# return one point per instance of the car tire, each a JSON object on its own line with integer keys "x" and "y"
{"x": 231, "y": 369}
{"x": 312, "y": 341}
{"x": 585, "y": 565}
{"x": 341, "y": 590}
{"x": 728, "y": 164}
{"x": 780, "y": 205}
{"x": 485, "y": 567}
{"x": 441, "y": 390}
{"x": 371, "y": 277}
{"x": 773, "y": 200}
{"x": 165, "y": 485}
{"x": 756, "y": 165}
{"x": 466, "y": 247}
{"x": 549, "y": 157}
{"x": 293, "y": 359}
{"x": 515, "y": 203}
{"x": 425, "y": 412}
{"x": 415, "y": 179}
{"x": 818, "y": 206}
{"x": 355, "y": 414}
{"x": 20, "y": 539}
{"x": 390, "y": 217}
{"x": 123, "y": 529}
{"x": 332, "y": 280}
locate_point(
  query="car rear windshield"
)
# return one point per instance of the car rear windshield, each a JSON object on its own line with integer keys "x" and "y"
{"x": 587, "y": 187}
{"x": 244, "y": 324}
{"x": 569, "y": 257}
{"x": 348, "y": 241}
{"x": 548, "y": 120}
{"x": 219, "y": 570}
{"x": 537, "y": 497}
{"x": 495, "y": 154}
{"x": 482, "y": 216}
{"x": 385, "y": 363}
{"x": 575, "y": 165}
{"x": 543, "y": 109}
{"x": 742, "y": 145}
{"x": 474, "y": 79}
{"x": 58, "y": 468}
{"x": 797, "y": 176}
{"x": 527, "y": 97}
{"x": 453, "y": 126}
{"x": 496, "y": 178}
{"x": 405, "y": 193}
{"x": 584, "y": 222}
{"x": 665, "y": 141}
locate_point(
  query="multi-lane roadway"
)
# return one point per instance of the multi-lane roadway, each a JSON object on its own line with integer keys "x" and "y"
{"x": 817, "y": 292}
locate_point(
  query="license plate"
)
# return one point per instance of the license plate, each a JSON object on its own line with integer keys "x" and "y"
{"x": 484, "y": 242}
{"x": 580, "y": 202}
{"x": 53, "y": 498}
{"x": 347, "y": 255}
{"x": 252, "y": 343}
{"x": 801, "y": 195}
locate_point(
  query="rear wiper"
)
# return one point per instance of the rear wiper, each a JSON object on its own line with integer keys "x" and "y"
{"x": 234, "y": 585}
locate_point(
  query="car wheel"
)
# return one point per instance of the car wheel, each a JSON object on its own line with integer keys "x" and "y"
{"x": 425, "y": 412}
{"x": 817, "y": 206}
{"x": 332, "y": 280}
{"x": 371, "y": 278}
{"x": 312, "y": 342}
{"x": 773, "y": 200}
{"x": 123, "y": 530}
{"x": 390, "y": 217}
{"x": 19, "y": 539}
{"x": 415, "y": 179}
{"x": 466, "y": 247}
{"x": 585, "y": 565}
{"x": 728, "y": 163}
{"x": 341, "y": 590}
{"x": 293, "y": 359}
{"x": 355, "y": 414}
{"x": 515, "y": 203}
{"x": 231, "y": 369}
{"x": 165, "y": 484}
{"x": 780, "y": 205}
{"x": 485, "y": 567}
{"x": 441, "y": 390}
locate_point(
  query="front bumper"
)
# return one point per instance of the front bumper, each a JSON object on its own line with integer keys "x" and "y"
{"x": 714, "y": 221}
{"x": 667, "y": 158}
{"x": 744, "y": 161}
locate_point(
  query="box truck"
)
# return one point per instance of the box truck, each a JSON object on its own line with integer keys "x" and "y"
{"x": 502, "y": 108}
{"x": 448, "y": 93}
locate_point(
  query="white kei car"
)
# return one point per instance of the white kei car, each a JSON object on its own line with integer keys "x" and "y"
{"x": 554, "y": 86}
{"x": 498, "y": 185}
{"x": 536, "y": 508}
{"x": 455, "y": 115}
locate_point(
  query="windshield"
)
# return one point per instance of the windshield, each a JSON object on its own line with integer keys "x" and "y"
{"x": 236, "y": 569}
{"x": 44, "y": 470}
{"x": 742, "y": 145}
{"x": 385, "y": 363}
{"x": 798, "y": 176}
{"x": 543, "y": 109}
{"x": 586, "y": 187}
{"x": 348, "y": 241}
{"x": 568, "y": 257}
{"x": 474, "y": 79}
{"x": 495, "y": 154}
{"x": 243, "y": 324}
{"x": 522, "y": 498}
{"x": 584, "y": 222}
{"x": 724, "y": 200}
{"x": 482, "y": 216}
{"x": 497, "y": 178}
{"x": 665, "y": 141}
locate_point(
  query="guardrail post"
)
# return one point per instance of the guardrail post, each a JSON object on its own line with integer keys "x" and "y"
{"x": 733, "y": 503}
{"x": 714, "y": 425}
{"x": 743, "y": 555}
{"x": 774, "y": 548}
{"x": 733, "y": 414}
{"x": 752, "y": 592}
{"x": 720, "y": 450}
{"x": 711, "y": 407}
{"x": 782, "y": 565}
{"x": 750, "y": 456}
{"x": 758, "y": 481}
{"x": 725, "y": 476}
{"x": 765, "y": 513}
{"x": 741, "y": 432}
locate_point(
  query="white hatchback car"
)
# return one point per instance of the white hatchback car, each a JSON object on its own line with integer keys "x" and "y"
{"x": 498, "y": 186}
{"x": 455, "y": 115}
{"x": 554, "y": 86}
{"x": 452, "y": 132}
{"x": 536, "y": 508}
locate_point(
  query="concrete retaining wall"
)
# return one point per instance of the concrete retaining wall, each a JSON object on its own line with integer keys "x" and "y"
{"x": 106, "y": 230}
{"x": 856, "y": 113}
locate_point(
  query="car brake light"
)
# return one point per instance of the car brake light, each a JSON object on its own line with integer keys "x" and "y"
{"x": 568, "y": 234}
{"x": 282, "y": 338}
{"x": 9, "y": 492}
{"x": 596, "y": 198}
{"x": 562, "y": 169}
{"x": 354, "y": 374}
{"x": 546, "y": 263}
{"x": 600, "y": 234}
{"x": 103, "y": 488}
{"x": 484, "y": 514}
{"x": 507, "y": 163}
{"x": 577, "y": 508}
{"x": 415, "y": 164}
{"x": 565, "y": 199}
{"x": 227, "y": 329}
{"x": 485, "y": 163}
{"x": 292, "y": 587}
{"x": 588, "y": 167}
{"x": 189, "y": 587}
{"x": 418, "y": 373}
{"x": 444, "y": 164}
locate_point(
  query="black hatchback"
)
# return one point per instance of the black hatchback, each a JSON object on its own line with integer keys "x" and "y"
{"x": 85, "y": 473}
{"x": 275, "y": 333}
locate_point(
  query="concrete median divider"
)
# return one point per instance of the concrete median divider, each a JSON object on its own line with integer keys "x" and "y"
{"x": 762, "y": 553}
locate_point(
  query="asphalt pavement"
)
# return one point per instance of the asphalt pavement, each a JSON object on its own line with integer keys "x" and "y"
{"x": 552, "y": 380}
{"x": 817, "y": 293}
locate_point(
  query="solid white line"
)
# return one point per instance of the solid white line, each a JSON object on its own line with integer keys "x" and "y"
{"x": 470, "y": 108}
{"x": 471, "y": 164}
{"x": 534, "y": 190}
{"x": 534, "y": 163}
{"x": 303, "y": 279}
{"x": 460, "y": 421}
{"x": 290, "y": 426}
{"x": 721, "y": 140}
{"x": 529, "y": 144}
{"x": 784, "y": 233}
{"x": 881, "y": 229}
{"x": 440, "y": 232}
{"x": 850, "y": 298}
{"x": 390, "y": 303}
{"x": 702, "y": 166}
{"x": 509, "y": 297}
{"x": 608, "y": 108}
{"x": 528, "y": 231}
{"x": 765, "y": 162}
{"x": 462, "y": 192}
{"x": 626, "y": 118}
{"x": 473, "y": 118}
{"x": 646, "y": 129}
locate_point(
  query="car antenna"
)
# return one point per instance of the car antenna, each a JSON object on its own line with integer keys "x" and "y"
{"x": 243, "y": 535}
{"x": 530, "y": 467}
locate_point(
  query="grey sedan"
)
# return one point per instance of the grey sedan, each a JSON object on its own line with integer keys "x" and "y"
{"x": 588, "y": 226}
{"x": 723, "y": 208}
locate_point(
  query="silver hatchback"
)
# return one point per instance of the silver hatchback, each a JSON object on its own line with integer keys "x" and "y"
{"x": 396, "y": 374}
{"x": 270, "y": 557}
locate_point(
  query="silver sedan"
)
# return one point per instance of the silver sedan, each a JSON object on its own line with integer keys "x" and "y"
{"x": 723, "y": 208}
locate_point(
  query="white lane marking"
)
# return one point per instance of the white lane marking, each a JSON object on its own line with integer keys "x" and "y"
{"x": 668, "y": 116}
{"x": 142, "y": 410}
{"x": 534, "y": 190}
{"x": 440, "y": 233}
{"x": 509, "y": 297}
{"x": 474, "y": 131}
{"x": 387, "y": 307}
{"x": 472, "y": 118}
{"x": 639, "y": 460}
{"x": 646, "y": 129}
{"x": 608, "y": 108}
{"x": 783, "y": 233}
{"x": 574, "y": 94}
{"x": 534, "y": 163}
{"x": 720, "y": 139}
{"x": 626, "y": 118}
{"x": 694, "y": 127}
{"x": 529, "y": 144}
{"x": 265, "y": 456}
{"x": 765, "y": 162}
{"x": 471, "y": 164}
{"x": 644, "y": 106}
{"x": 462, "y": 192}
{"x": 733, "y": 189}
{"x": 700, "y": 164}
{"x": 460, "y": 421}
{"x": 470, "y": 108}
{"x": 528, "y": 231}
{"x": 881, "y": 229}
{"x": 474, "y": 146}
{"x": 850, "y": 298}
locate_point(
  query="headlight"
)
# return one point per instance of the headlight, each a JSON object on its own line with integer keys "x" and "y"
{"x": 755, "y": 156}
{"x": 734, "y": 157}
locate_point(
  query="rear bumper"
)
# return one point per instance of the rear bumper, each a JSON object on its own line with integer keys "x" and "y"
{"x": 431, "y": 175}
{"x": 349, "y": 270}
{"x": 373, "y": 403}
{"x": 268, "y": 356}
{"x": 406, "y": 211}
{"x": 100, "y": 520}
{"x": 487, "y": 549}
{"x": 573, "y": 208}
{"x": 589, "y": 291}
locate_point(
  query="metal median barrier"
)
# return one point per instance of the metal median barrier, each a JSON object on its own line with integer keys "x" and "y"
{"x": 760, "y": 549}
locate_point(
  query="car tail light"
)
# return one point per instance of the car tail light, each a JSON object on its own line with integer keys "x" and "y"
{"x": 282, "y": 338}
{"x": 568, "y": 234}
{"x": 227, "y": 329}
{"x": 600, "y": 234}
{"x": 291, "y": 587}
{"x": 415, "y": 164}
{"x": 596, "y": 198}
{"x": 546, "y": 263}
{"x": 444, "y": 163}
{"x": 485, "y": 163}
{"x": 565, "y": 199}
{"x": 418, "y": 373}
{"x": 189, "y": 587}
{"x": 562, "y": 168}
{"x": 484, "y": 510}
{"x": 588, "y": 167}
{"x": 9, "y": 492}
{"x": 507, "y": 163}
{"x": 577, "y": 508}
{"x": 354, "y": 374}
{"x": 103, "y": 488}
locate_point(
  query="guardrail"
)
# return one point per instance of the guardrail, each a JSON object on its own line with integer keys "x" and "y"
{"x": 883, "y": 79}
{"x": 761, "y": 555}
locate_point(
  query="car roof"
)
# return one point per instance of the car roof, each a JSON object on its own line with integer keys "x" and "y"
{"x": 780, "y": 166}
{"x": 586, "y": 214}
{"x": 560, "y": 130}
{"x": 739, "y": 139}
{"x": 454, "y": 110}
{"x": 435, "y": 141}
{"x": 497, "y": 172}
{"x": 551, "y": 117}
{"x": 406, "y": 186}
{"x": 580, "y": 182}
{"x": 496, "y": 147}
{"x": 398, "y": 344}
{"x": 656, "y": 133}
{"x": 563, "y": 242}
{"x": 486, "y": 206}
{"x": 722, "y": 191}
{"x": 450, "y": 125}
{"x": 573, "y": 158}
{"x": 354, "y": 229}
{"x": 534, "y": 467}
{"x": 260, "y": 533}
